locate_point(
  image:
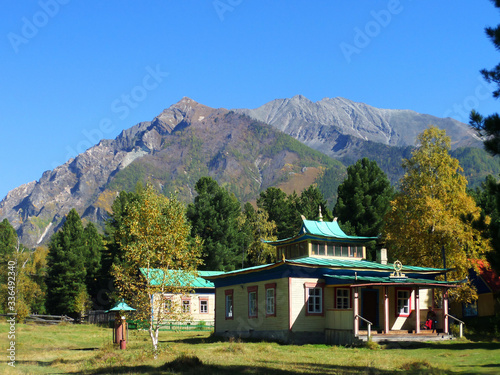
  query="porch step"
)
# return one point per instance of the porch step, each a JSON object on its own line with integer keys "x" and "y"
{"x": 404, "y": 336}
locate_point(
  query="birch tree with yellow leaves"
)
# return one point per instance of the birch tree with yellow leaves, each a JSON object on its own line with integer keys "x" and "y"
{"x": 432, "y": 220}
{"x": 159, "y": 258}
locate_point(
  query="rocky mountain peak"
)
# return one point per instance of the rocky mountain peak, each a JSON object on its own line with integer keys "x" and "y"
{"x": 188, "y": 140}
{"x": 184, "y": 110}
{"x": 320, "y": 124}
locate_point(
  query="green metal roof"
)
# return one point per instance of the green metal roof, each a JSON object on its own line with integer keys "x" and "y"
{"x": 355, "y": 264}
{"x": 326, "y": 230}
{"x": 181, "y": 278}
{"x": 388, "y": 280}
{"x": 363, "y": 265}
{"x": 121, "y": 306}
{"x": 245, "y": 270}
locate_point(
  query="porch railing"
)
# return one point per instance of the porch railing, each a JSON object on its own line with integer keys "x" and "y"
{"x": 460, "y": 322}
{"x": 369, "y": 334}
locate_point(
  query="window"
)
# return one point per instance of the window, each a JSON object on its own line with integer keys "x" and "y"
{"x": 271, "y": 299}
{"x": 403, "y": 302}
{"x": 229, "y": 304}
{"x": 342, "y": 300}
{"x": 203, "y": 305}
{"x": 318, "y": 248}
{"x": 167, "y": 304}
{"x": 314, "y": 298}
{"x": 252, "y": 301}
{"x": 470, "y": 309}
{"x": 338, "y": 250}
{"x": 329, "y": 250}
{"x": 186, "y": 305}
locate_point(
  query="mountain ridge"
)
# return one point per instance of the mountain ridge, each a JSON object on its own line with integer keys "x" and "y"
{"x": 184, "y": 142}
{"x": 320, "y": 123}
{"x": 286, "y": 143}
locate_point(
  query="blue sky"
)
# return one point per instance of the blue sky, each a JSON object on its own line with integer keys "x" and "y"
{"x": 76, "y": 71}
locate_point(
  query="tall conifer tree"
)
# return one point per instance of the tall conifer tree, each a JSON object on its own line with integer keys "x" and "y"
{"x": 214, "y": 217}
{"x": 66, "y": 266}
{"x": 364, "y": 198}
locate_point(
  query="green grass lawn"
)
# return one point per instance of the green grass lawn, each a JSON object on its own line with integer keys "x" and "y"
{"x": 85, "y": 349}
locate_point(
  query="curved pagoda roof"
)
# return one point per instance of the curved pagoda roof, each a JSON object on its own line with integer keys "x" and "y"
{"x": 321, "y": 230}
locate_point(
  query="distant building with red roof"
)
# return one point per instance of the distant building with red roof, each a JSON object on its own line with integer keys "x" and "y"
{"x": 487, "y": 283}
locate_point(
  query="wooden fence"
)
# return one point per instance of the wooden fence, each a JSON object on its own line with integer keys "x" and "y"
{"x": 99, "y": 317}
{"x": 48, "y": 319}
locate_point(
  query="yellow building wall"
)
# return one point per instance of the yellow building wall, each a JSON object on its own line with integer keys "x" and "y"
{"x": 195, "y": 315}
{"x": 341, "y": 319}
{"x": 300, "y": 321}
{"x": 241, "y": 322}
{"x": 486, "y": 305}
{"x": 408, "y": 323}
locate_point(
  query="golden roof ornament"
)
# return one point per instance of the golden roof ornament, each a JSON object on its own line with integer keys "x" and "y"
{"x": 398, "y": 266}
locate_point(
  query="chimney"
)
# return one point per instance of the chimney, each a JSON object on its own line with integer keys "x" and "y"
{"x": 382, "y": 256}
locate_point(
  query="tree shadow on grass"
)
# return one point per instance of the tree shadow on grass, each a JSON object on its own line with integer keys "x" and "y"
{"x": 231, "y": 370}
{"x": 453, "y": 345}
{"x": 193, "y": 366}
{"x": 48, "y": 363}
{"x": 85, "y": 349}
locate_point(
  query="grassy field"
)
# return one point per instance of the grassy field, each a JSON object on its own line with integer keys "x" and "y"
{"x": 84, "y": 349}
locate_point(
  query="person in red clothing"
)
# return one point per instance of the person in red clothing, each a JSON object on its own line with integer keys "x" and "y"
{"x": 431, "y": 321}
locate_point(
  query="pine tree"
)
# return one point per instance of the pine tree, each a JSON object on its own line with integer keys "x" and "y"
{"x": 310, "y": 202}
{"x": 363, "y": 198}
{"x": 487, "y": 197}
{"x": 28, "y": 268}
{"x": 66, "y": 267}
{"x": 214, "y": 217}
{"x": 489, "y": 126}
{"x": 93, "y": 249}
{"x": 259, "y": 226}
{"x": 282, "y": 210}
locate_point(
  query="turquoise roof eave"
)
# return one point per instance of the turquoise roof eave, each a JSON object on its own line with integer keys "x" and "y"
{"x": 317, "y": 262}
{"x": 121, "y": 306}
{"x": 182, "y": 278}
{"x": 360, "y": 264}
{"x": 324, "y": 230}
{"x": 345, "y": 279}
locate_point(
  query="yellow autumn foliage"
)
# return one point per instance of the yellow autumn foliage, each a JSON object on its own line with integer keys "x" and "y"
{"x": 433, "y": 211}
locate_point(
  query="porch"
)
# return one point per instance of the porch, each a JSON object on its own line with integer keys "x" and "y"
{"x": 404, "y": 336}
{"x": 336, "y": 337}
{"x": 389, "y": 309}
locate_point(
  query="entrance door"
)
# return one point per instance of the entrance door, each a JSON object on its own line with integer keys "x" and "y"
{"x": 369, "y": 307}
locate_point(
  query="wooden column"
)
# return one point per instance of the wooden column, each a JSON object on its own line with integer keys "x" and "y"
{"x": 356, "y": 312}
{"x": 417, "y": 310}
{"x": 445, "y": 311}
{"x": 386, "y": 309}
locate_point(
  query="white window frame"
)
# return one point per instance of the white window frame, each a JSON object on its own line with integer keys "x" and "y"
{"x": 203, "y": 305}
{"x": 229, "y": 305}
{"x": 342, "y": 295}
{"x": 403, "y": 304}
{"x": 252, "y": 304}
{"x": 270, "y": 301}
{"x": 315, "y": 300}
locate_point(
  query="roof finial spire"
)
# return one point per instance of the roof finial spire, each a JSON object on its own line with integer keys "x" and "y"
{"x": 320, "y": 215}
